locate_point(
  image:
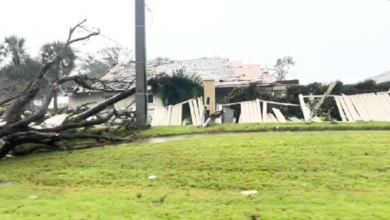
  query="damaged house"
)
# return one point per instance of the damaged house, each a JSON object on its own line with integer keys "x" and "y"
{"x": 226, "y": 74}
{"x": 119, "y": 78}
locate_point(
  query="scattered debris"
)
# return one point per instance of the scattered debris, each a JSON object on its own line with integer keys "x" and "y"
{"x": 294, "y": 119}
{"x": 217, "y": 114}
{"x": 160, "y": 200}
{"x": 7, "y": 183}
{"x": 206, "y": 124}
{"x": 308, "y": 121}
{"x": 249, "y": 192}
{"x": 152, "y": 177}
{"x": 253, "y": 216}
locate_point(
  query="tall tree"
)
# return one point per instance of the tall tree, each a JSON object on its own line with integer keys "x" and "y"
{"x": 65, "y": 61}
{"x": 98, "y": 63}
{"x": 24, "y": 72}
{"x": 282, "y": 67}
{"x": 21, "y": 68}
{"x": 66, "y": 58}
{"x": 13, "y": 48}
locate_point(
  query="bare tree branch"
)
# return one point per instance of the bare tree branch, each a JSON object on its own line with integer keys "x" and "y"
{"x": 73, "y": 125}
{"x": 14, "y": 122}
{"x": 18, "y": 127}
{"x": 103, "y": 105}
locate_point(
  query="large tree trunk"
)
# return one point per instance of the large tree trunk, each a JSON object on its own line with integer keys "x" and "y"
{"x": 18, "y": 130}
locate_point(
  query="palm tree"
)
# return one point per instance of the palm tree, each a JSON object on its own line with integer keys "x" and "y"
{"x": 65, "y": 61}
{"x": 13, "y": 47}
{"x": 181, "y": 87}
{"x": 66, "y": 56}
{"x": 2, "y": 53}
{"x": 26, "y": 71}
{"x": 21, "y": 68}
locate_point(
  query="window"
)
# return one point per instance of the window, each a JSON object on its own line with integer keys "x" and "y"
{"x": 150, "y": 98}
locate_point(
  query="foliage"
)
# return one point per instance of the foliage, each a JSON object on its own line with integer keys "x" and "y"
{"x": 67, "y": 59}
{"x": 21, "y": 69}
{"x": 240, "y": 94}
{"x": 162, "y": 58}
{"x": 64, "y": 66}
{"x": 368, "y": 86}
{"x": 20, "y": 76}
{"x": 292, "y": 92}
{"x": 25, "y": 71}
{"x": 13, "y": 48}
{"x": 282, "y": 67}
{"x": 181, "y": 87}
{"x": 296, "y": 174}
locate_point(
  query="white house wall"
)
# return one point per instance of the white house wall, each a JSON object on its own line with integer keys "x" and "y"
{"x": 83, "y": 98}
{"x": 157, "y": 102}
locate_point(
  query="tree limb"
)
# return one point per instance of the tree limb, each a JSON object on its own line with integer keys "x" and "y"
{"x": 73, "y": 125}
{"x": 103, "y": 105}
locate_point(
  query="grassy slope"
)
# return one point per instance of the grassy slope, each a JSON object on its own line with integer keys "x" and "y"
{"x": 315, "y": 175}
{"x": 219, "y": 128}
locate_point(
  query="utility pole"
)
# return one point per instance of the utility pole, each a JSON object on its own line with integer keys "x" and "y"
{"x": 141, "y": 103}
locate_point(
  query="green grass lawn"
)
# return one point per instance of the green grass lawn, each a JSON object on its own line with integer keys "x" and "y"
{"x": 307, "y": 175}
{"x": 162, "y": 131}
{"x": 219, "y": 128}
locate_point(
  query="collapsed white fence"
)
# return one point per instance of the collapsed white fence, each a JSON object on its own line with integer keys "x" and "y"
{"x": 360, "y": 107}
{"x": 173, "y": 115}
{"x": 256, "y": 111}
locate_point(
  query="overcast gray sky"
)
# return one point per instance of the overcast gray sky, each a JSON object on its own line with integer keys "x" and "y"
{"x": 329, "y": 39}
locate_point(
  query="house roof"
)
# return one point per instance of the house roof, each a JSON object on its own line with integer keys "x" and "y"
{"x": 227, "y": 84}
{"x": 223, "y": 71}
{"x": 118, "y": 78}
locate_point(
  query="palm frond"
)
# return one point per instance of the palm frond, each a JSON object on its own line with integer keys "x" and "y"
{"x": 181, "y": 87}
{"x": 13, "y": 47}
{"x": 68, "y": 56}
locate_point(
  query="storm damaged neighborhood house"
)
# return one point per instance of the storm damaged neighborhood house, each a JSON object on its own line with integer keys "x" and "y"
{"x": 119, "y": 78}
{"x": 226, "y": 74}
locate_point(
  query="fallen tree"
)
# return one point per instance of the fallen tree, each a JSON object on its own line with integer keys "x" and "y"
{"x": 18, "y": 128}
